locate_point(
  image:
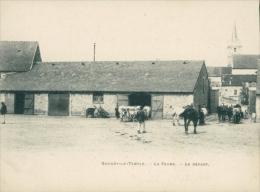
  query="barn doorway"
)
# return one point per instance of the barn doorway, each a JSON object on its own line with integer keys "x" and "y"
{"x": 58, "y": 105}
{"x": 140, "y": 99}
{"x": 19, "y": 103}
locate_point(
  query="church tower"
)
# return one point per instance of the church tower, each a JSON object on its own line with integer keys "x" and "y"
{"x": 234, "y": 46}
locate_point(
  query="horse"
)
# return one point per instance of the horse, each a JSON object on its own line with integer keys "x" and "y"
{"x": 236, "y": 115}
{"x": 190, "y": 114}
{"x": 222, "y": 111}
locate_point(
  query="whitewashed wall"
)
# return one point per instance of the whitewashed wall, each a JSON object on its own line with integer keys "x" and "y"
{"x": 176, "y": 100}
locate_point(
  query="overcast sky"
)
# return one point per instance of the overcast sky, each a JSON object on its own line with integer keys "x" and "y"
{"x": 131, "y": 30}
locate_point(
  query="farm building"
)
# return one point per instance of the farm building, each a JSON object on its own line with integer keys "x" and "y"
{"x": 232, "y": 86}
{"x": 69, "y": 88}
{"x": 244, "y": 64}
{"x": 30, "y": 86}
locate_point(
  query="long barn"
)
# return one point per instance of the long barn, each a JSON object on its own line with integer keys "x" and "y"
{"x": 70, "y": 88}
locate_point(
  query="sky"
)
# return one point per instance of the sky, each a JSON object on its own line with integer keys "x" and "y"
{"x": 131, "y": 30}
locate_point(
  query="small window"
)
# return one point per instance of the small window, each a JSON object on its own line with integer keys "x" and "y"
{"x": 235, "y": 92}
{"x": 235, "y": 49}
{"x": 98, "y": 97}
{"x": 226, "y": 90}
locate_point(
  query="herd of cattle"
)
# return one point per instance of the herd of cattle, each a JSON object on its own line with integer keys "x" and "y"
{"x": 129, "y": 112}
{"x": 230, "y": 113}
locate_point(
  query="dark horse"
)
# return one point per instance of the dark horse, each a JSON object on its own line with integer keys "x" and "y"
{"x": 224, "y": 111}
{"x": 190, "y": 114}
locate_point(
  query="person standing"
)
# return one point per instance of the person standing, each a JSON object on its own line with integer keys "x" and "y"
{"x": 3, "y": 111}
{"x": 141, "y": 117}
{"x": 117, "y": 112}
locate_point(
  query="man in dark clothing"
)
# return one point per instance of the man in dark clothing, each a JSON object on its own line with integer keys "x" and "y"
{"x": 3, "y": 111}
{"x": 117, "y": 112}
{"x": 141, "y": 117}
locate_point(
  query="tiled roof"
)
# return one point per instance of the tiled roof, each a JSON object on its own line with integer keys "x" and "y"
{"x": 218, "y": 71}
{"x": 110, "y": 76}
{"x": 17, "y": 56}
{"x": 258, "y": 79}
{"x": 236, "y": 80}
{"x": 245, "y": 61}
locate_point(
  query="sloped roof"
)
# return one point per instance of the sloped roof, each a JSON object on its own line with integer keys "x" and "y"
{"x": 258, "y": 79}
{"x": 218, "y": 71}
{"x": 109, "y": 76}
{"x": 245, "y": 61}
{"x": 236, "y": 80}
{"x": 16, "y": 56}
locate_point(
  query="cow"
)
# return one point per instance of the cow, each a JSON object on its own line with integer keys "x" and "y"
{"x": 147, "y": 110}
{"x": 176, "y": 112}
{"x": 129, "y": 112}
{"x": 123, "y": 112}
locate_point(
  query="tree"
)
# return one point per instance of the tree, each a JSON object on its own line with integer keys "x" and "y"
{"x": 244, "y": 94}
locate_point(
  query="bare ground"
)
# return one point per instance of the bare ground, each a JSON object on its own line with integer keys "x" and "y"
{"x": 41, "y": 153}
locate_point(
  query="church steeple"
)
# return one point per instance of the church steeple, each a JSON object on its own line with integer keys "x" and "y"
{"x": 234, "y": 33}
{"x": 234, "y": 46}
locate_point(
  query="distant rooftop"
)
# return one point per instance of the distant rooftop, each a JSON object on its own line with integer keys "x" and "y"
{"x": 18, "y": 56}
{"x": 245, "y": 61}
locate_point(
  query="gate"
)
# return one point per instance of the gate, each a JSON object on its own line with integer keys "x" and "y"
{"x": 58, "y": 105}
{"x": 29, "y": 104}
{"x": 157, "y": 107}
{"x": 214, "y": 100}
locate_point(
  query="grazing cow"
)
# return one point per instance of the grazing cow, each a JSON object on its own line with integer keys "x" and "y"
{"x": 190, "y": 114}
{"x": 176, "y": 114}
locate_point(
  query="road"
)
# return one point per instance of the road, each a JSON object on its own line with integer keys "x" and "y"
{"x": 41, "y": 153}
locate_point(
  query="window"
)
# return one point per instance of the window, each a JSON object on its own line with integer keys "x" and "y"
{"x": 235, "y": 49}
{"x": 235, "y": 92}
{"x": 98, "y": 97}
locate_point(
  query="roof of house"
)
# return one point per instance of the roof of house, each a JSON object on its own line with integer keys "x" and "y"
{"x": 16, "y": 56}
{"x": 218, "y": 71}
{"x": 109, "y": 76}
{"x": 236, "y": 80}
{"x": 245, "y": 61}
{"x": 258, "y": 79}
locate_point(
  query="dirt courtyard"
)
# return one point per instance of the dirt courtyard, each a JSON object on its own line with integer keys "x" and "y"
{"x": 42, "y": 153}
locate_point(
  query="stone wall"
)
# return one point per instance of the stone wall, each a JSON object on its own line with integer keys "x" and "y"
{"x": 175, "y": 100}
{"x": 109, "y": 105}
{"x": 258, "y": 106}
{"x": 2, "y": 97}
{"x": 41, "y": 104}
{"x": 79, "y": 103}
{"x": 201, "y": 90}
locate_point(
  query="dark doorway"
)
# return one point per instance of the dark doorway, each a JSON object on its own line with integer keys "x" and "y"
{"x": 58, "y": 104}
{"x": 19, "y": 103}
{"x": 140, "y": 99}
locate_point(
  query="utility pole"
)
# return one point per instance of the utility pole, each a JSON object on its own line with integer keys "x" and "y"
{"x": 94, "y": 50}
